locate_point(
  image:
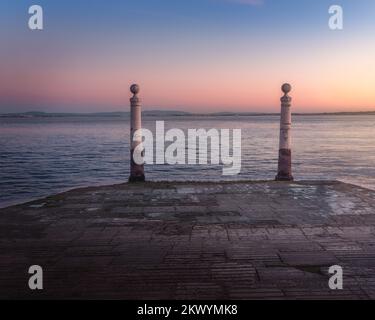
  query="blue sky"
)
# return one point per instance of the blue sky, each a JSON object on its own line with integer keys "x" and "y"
{"x": 179, "y": 44}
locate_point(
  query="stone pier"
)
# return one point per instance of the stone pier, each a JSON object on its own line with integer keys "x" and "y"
{"x": 230, "y": 240}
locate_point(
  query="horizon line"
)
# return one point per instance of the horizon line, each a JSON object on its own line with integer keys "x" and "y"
{"x": 181, "y": 112}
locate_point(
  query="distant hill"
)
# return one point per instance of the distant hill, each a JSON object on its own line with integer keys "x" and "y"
{"x": 39, "y": 114}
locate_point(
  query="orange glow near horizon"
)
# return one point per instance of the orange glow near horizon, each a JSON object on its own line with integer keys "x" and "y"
{"x": 207, "y": 91}
{"x": 333, "y": 79}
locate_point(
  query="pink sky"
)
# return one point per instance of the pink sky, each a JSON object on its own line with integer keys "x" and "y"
{"x": 232, "y": 57}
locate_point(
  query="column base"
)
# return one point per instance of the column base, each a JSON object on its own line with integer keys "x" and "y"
{"x": 284, "y": 172}
{"x": 133, "y": 179}
{"x": 284, "y": 178}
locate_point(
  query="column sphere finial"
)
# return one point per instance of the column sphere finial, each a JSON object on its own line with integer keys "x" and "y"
{"x": 134, "y": 88}
{"x": 286, "y": 88}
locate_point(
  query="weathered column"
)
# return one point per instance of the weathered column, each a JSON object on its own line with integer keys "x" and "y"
{"x": 285, "y": 151}
{"x": 137, "y": 173}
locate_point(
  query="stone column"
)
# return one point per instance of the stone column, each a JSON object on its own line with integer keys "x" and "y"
{"x": 137, "y": 173}
{"x": 285, "y": 149}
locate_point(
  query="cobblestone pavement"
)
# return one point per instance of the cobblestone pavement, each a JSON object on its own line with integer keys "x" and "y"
{"x": 244, "y": 240}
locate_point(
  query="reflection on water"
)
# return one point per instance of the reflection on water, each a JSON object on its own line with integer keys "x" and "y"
{"x": 44, "y": 156}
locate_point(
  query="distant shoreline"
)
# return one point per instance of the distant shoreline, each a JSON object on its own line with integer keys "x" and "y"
{"x": 157, "y": 113}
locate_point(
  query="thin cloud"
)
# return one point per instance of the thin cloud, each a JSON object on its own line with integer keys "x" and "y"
{"x": 248, "y": 2}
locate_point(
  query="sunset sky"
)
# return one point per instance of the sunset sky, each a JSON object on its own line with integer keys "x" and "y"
{"x": 191, "y": 55}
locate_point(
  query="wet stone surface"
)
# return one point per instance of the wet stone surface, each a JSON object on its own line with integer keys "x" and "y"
{"x": 246, "y": 240}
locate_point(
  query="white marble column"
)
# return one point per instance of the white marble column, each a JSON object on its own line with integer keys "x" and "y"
{"x": 285, "y": 147}
{"x": 137, "y": 173}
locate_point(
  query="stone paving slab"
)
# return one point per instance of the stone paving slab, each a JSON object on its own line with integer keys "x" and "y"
{"x": 231, "y": 240}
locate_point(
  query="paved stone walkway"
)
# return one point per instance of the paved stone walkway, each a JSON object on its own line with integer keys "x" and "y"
{"x": 192, "y": 241}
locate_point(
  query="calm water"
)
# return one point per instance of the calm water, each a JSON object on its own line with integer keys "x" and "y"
{"x": 40, "y": 157}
